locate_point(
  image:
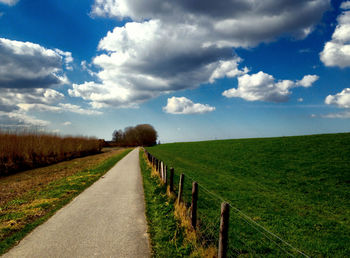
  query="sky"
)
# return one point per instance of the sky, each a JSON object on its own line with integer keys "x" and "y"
{"x": 195, "y": 70}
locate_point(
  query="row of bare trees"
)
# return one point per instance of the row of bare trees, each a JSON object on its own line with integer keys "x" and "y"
{"x": 140, "y": 135}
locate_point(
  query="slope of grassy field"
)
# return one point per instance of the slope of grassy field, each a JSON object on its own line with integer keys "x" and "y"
{"x": 297, "y": 188}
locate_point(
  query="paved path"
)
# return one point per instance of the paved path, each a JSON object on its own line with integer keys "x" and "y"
{"x": 106, "y": 220}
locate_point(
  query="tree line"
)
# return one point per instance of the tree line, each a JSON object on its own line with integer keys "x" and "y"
{"x": 140, "y": 135}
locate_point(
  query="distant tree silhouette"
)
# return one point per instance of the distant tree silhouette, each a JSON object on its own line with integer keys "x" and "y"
{"x": 140, "y": 135}
{"x": 117, "y": 135}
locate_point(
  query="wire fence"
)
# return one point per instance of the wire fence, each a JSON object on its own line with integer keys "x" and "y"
{"x": 246, "y": 237}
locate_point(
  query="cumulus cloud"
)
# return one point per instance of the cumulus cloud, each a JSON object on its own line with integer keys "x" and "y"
{"x": 87, "y": 67}
{"x": 337, "y": 51}
{"x": 263, "y": 87}
{"x": 185, "y": 106}
{"x": 61, "y": 107}
{"x": 341, "y": 99}
{"x": 27, "y": 73}
{"x": 19, "y": 119}
{"x": 307, "y": 81}
{"x": 231, "y": 22}
{"x": 175, "y": 45}
{"x": 67, "y": 123}
{"x": 345, "y": 5}
{"x": 68, "y": 59}
{"x": 9, "y": 2}
{"x": 143, "y": 61}
{"x": 29, "y": 65}
{"x": 11, "y": 98}
{"x": 16, "y": 103}
{"x": 11, "y": 114}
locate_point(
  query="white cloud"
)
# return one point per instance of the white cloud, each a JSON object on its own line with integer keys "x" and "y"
{"x": 10, "y": 98}
{"x": 144, "y": 61}
{"x": 337, "y": 51}
{"x": 235, "y": 23}
{"x": 341, "y": 115}
{"x": 29, "y": 65}
{"x": 87, "y": 67}
{"x": 61, "y": 107}
{"x": 345, "y": 5}
{"x": 68, "y": 59}
{"x": 300, "y": 99}
{"x": 16, "y": 103}
{"x": 185, "y": 106}
{"x": 77, "y": 109}
{"x": 9, "y": 2}
{"x": 67, "y": 123}
{"x": 18, "y": 119}
{"x": 176, "y": 45}
{"x": 341, "y": 99}
{"x": 11, "y": 114}
{"x": 307, "y": 81}
{"x": 27, "y": 73}
{"x": 263, "y": 87}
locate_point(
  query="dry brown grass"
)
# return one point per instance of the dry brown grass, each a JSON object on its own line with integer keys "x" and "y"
{"x": 23, "y": 150}
{"x": 182, "y": 214}
{"x": 14, "y": 186}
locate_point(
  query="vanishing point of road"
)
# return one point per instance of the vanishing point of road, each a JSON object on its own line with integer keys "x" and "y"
{"x": 106, "y": 220}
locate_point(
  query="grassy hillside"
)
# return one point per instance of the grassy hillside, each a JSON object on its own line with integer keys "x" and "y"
{"x": 298, "y": 188}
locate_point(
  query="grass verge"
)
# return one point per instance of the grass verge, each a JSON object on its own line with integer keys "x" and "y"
{"x": 167, "y": 237}
{"x": 25, "y": 212}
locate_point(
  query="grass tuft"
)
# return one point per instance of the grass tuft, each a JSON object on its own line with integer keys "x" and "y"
{"x": 167, "y": 237}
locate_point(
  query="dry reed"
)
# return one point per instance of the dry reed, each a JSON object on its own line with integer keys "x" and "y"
{"x": 26, "y": 150}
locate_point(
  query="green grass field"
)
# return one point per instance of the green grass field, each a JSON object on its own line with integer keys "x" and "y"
{"x": 297, "y": 188}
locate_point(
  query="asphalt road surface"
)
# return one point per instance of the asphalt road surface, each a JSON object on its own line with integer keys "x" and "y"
{"x": 106, "y": 220}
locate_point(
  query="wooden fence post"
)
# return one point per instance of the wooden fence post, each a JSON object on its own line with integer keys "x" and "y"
{"x": 165, "y": 174}
{"x": 181, "y": 187}
{"x": 194, "y": 204}
{"x": 223, "y": 238}
{"x": 171, "y": 180}
{"x": 162, "y": 171}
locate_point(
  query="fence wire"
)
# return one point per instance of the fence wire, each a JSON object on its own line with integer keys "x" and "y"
{"x": 247, "y": 238}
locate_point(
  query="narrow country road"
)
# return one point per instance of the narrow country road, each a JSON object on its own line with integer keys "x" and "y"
{"x": 106, "y": 220}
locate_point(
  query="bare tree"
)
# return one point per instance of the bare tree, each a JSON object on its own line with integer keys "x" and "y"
{"x": 140, "y": 135}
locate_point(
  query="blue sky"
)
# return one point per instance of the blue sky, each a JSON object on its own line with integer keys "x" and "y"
{"x": 232, "y": 69}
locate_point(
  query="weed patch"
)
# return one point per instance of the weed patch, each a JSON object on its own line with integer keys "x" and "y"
{"x": 167, "y": 237}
